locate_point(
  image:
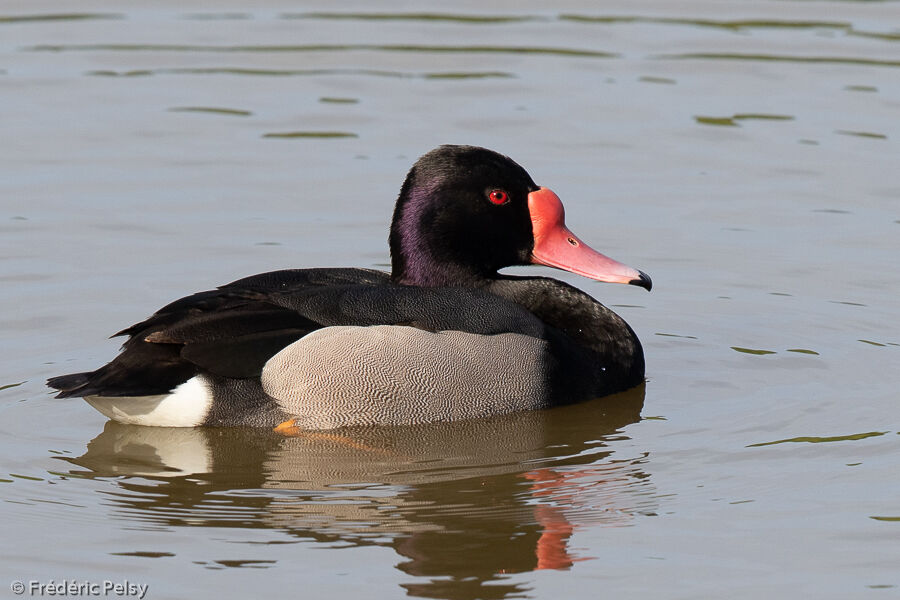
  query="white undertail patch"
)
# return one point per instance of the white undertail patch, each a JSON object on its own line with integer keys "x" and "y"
{"x": 186, "y": 406}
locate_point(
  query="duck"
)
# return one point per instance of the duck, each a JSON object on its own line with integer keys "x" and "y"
{"x": 443, "y": 337}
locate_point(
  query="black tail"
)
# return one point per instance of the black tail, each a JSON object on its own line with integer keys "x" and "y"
{"x": 69, "y": 385}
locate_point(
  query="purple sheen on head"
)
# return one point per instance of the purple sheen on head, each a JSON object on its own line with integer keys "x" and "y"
{"x": 409, "y": 229}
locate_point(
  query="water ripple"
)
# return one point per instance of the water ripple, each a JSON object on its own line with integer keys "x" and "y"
{"x": 311, "y": 134}
{"x": 445, "y": 17}
{"x": 838, "y": 60}
{"x": 60, "y": 17}
{"x": 820, "y": 440}
{"x": 213, "y": 110}
{"x": 257, "y": 72}
{"x": 475, "y": 49}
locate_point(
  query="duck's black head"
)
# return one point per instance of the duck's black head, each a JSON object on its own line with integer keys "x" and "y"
{"x": 464, "y": 212}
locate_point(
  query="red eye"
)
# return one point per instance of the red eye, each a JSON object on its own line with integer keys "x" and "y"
{"x": 498, "y": 197}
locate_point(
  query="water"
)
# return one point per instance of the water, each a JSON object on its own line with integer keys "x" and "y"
{"x": 744, "y": 154}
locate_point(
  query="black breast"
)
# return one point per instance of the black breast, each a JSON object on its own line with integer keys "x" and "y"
{"x": 596, "y": 351}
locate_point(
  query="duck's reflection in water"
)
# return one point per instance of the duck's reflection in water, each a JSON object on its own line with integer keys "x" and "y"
{"x": 464, "y": 503}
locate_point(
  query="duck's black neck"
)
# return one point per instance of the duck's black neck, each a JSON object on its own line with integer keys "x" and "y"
{"x": 428, "y": 274}
{"x": 420, "y": 267}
